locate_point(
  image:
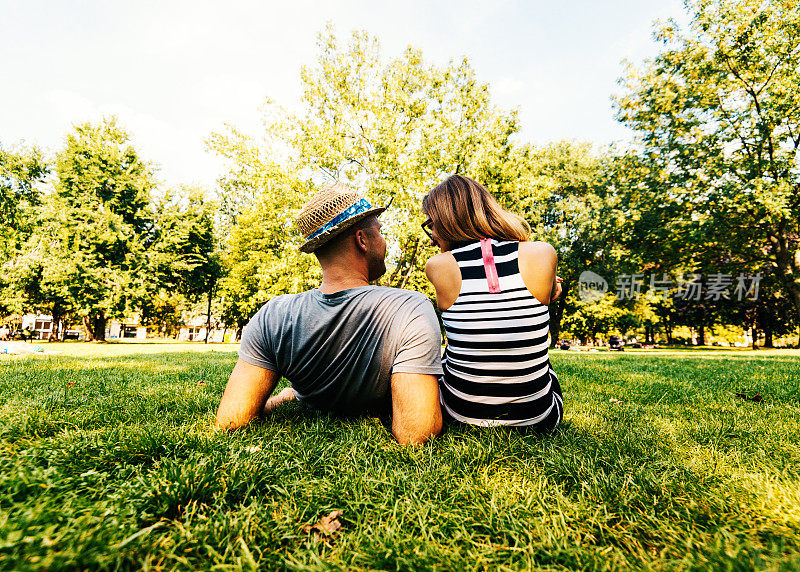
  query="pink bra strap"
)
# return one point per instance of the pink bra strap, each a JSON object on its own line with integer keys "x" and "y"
{"x": 488, "y": 265}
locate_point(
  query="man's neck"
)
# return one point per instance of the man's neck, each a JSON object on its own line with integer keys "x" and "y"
{"x": 337, "y": 278}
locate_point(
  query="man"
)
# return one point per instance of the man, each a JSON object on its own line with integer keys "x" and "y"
{"x": 346, "y": 347}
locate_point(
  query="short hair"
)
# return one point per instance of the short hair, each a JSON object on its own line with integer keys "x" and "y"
{"x": 464, "y": 210}
{"x": 333, "y": 245}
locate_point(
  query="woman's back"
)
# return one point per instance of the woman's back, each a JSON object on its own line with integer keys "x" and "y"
{"x": 496, "y": 366}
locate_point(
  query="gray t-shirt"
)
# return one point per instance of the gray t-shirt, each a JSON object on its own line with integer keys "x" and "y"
{"x": 339, "y": 350}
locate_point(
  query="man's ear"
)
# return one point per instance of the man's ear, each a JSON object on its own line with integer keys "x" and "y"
{"x": 362, "y": 240}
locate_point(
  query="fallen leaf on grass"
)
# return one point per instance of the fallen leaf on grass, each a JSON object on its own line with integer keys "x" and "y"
{"x": 615, "y": 401}
{"x": 201, "y": 383}
{"x": 757, "y": 397}
{"x": 70, "y": 384}
{"x": 326, "y": 526}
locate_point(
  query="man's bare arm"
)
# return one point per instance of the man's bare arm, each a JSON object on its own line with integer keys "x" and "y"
{"x": 416, "y": 413}
{"x": 276, "y": 401}
{"x": 245, "y": 395}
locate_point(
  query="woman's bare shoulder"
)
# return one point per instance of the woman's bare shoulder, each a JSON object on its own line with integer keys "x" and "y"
{"x": 537, "y": 264}
{"x": 443, "y": 272}
{"x": 440, "y": 265}
{"x": 538, "y": 249}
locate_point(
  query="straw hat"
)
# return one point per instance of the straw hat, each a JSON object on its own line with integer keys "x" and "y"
{"x": 332, "y": 210}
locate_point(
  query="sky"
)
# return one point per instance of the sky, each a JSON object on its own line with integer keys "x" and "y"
{"x": 174, "y": 72}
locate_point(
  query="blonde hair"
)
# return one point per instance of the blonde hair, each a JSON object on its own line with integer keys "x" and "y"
{"x": 462, "y": 209}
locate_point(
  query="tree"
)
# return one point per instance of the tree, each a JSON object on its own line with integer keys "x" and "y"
{"x": 557, "y": 192}
{"x": 260, "y": 252}
{"x": 183, "y": 260}
{"x": 395, "y": 128}
{"x": 590, "y": 318}
{"x": 88, "y": 251}
{"x": 718, "y": 112}
{"x": 21, "y": 173}
{"x": 392, "y": 128}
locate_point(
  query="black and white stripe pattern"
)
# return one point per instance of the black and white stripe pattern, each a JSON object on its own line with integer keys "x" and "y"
{"x": 496, "y": 366}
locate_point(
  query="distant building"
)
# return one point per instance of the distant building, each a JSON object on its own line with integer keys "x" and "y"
{"x": 40, "y": 324}
{"x": 194, "y": 330}
{"x": 127, "y": 329}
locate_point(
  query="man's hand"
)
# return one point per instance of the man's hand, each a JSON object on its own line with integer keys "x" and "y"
{"x": 416, "y": 413}
{"x": 277, "y": 400}
{"x": 245, "y": 395}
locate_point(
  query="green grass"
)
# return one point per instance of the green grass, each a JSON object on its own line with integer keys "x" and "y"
{"x": 108, "y": 462}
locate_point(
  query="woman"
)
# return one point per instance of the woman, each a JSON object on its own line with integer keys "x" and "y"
{"x": 493, "y": 288}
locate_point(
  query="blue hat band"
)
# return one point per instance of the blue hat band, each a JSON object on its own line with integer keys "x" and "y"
{"x": 358, "y": 207}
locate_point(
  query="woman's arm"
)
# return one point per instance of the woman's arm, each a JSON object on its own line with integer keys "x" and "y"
{"x": 443, "y": 272}
{"x": 537, "y": 265}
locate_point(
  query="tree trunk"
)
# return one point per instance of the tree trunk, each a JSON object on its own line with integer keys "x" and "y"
{"x": 56, "y": 323}
{"x": 88, "y": 329}
{"x": 768, "y": 336}
{"x": 787, "y": 264}
{"x": 701, "y": 334}
{"x": 409, "y": 267}
{"x": 99, "y": 331}
{"x": 794, "y": 293}
{"x": 555, "y": 319}
{"x": 401, "y": 262}
{"x": 208, "y": 315}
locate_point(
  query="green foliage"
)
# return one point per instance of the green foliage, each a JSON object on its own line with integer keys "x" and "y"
{"x": 712, "y": 187}
{"x": 164, "y": 310}
{"x": 587, "y": 319}
{"x": 260, "y": 250}
{"x": 565, "y": 193}
{"x": 86, "y": 255}
{"x": 392, "y": 128}
{"x": 98, "y": 168}
{"x": 184, "y": 258}
{"x": 718, "y": 114}
{"x": 21, "y": 173}
{"x": 110, "y": 463}
{"x": 97, "y": 247}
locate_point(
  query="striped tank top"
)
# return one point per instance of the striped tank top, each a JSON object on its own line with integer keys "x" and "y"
{"x": 496, "y": 366}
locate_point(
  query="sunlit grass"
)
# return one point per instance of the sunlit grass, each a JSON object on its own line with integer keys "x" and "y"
{"x": 109, "y": 461}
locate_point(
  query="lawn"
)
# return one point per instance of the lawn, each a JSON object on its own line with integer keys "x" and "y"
{"x": 108, "y": 462}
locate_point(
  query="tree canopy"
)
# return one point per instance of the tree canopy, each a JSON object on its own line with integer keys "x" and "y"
{"x": 718, "y": 118}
